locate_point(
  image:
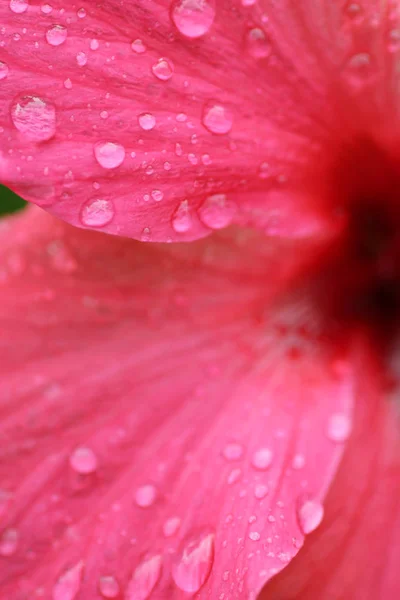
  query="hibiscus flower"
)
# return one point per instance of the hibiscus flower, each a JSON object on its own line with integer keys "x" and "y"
{"x": 215, "y": 419}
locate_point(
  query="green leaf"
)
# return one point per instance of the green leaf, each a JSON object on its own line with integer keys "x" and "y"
{"x": 9, "y": 202}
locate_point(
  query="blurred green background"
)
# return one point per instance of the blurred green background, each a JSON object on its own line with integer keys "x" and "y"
{"x": 9, "y": 202}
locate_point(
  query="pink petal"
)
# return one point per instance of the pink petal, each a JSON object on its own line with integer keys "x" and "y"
{"x": 164, "y": 428}
{"x": 356, "y": 552}
{"x": 131, "y": 117}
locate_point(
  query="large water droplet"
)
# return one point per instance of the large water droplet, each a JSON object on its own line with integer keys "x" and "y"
{"x": 144, "y": 579}
{"x": 217, "y": 212}
{"x": 339, "y": 427}
{"x": 145, "y": 495}
{"x": 163, "y": 69}
{"x": 310, "y": 515}
{"x": 109, "y": 587}
{"x": 262, "y": 459}
{"x": 109, "y": 155}
{"x": 68, "y": 585}
{"x": 83, "y": 461}
{"x": 194, "y": 562}
{"x": 182, "y": 218}
{"x": 217, "y": 118}
{"x": 257, "y": 43}
{"x": 18, "y": 6}
{"x": 34, "y": 117}
{"x": 56, "y": 35}
{"x": 193, "y": 18}
{"x": 8, "y": 542}
{"x": 97, "y": 213}
{"x": 3, "y": 70}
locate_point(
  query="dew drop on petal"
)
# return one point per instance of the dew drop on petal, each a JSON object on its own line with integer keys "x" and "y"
{"x": 171, "y": 526}
{"x": 260, "y": 491}
{"x": 8, "y": 542}
{"x": 193, "y": 18}
{"x": 97, "y": 213}
{"x": 157, "y": 195}
{"x": 56, "y": 35}
{"x": 34, "y": 117}
{"x": 147, "y": 121}
{"x": 217, "y": 212}
{"x": 145, "y": 495}
{"x": 83, "y": 461}
{"x": 262, "y": 459}
{"x": 339, "y": 427}
{"x": 163, "y": 69}
{"x": 310, "y": 515}
{"x": 138, "y": 47}
{"x": 194, "y": 562}
{"x": 144, "y": 579}
{"x": 109, "y": 587}
{"x": 353, "y": 11}
{"x": 18, "y": 6}
{"x": 257, "y": 43}
{"x": 182, "y": 219}
{"x": 254, "y": 535}
{"x": 109, "y": 155}
{"x": 3, "y": 70}
{"x": 217, "y": 119}
{"x": 81, "y": 59}
{"x": 233, "y": 451}
{"x": 68, "y": 584}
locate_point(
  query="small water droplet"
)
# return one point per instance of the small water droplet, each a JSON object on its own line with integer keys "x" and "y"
{"x": 68, "y": 585}
{"x": 233, "y": 451}
{"x": 234, "y": 476}
{"x": 147, "y": 121}
{"x": 193, "y": 18}
{"x": 171, "y": 526}
{"x": 9, "y": 542}
{"x": 56, "y": 35}
{"x": 217, "y": 212}
{"x": 81, "y": 59}
{"x": 18, "y": 6}
{"x": 339, "y": 427}
{"x": 298, "y": 462}
{"x": 144, "y": 579}
{"x": 182, "y": 219}
{"x": 3, "y": 70}
{"x": 34, "y": 117}
{"x": 262, "y": 459}
{"x": 163, "y": 69}
{"x": 97, "y": 213}
{"x": 157, "y": 195}
{"x": 138, "y": 47}
{"x": 310, "y": 515}
{"x": 109, "y": 587}
{"x": 194, "y": 562}
{"x": 358, "y": 70}
{"x": 83, "y": 461}
{"x": 217, "y": 118}
{"x": 257, "y": 43}
{"x": 254, "y": 535}
{"x": 260, "y": 491}
{"x": 353, "y": 11}
{"x": 145, "y": 495}
{"x": 109, "y": 155}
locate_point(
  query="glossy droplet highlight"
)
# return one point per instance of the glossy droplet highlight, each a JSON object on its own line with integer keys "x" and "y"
{"x": 257, "y": 43}
{"x": 147, "y": 121}
{"x": 144, "y": 579}
{"x": 171, "y": 526}
{"x": 56, "y": 35}
{"x": 34, "y": 117}
{"x": 217, "y": 118}
{"x": 109, "y": 587}
{"x": 109, "y": 155}
{"x": 310, "y": 515}
{"x": 339, "y": 427}
{"x": 68, "y": 585}
{"x": 18, "y": 6}
{"x": 138, "y": 47}
{"x": 193, "y": 564}
{"x": 217, "y": 212}
{"x": 262, "y": 459}
{"x": 97, "y": 213}
{"x": 145, "y": 495}
{"x": 3, "y": 70}
{"x": 233, "y": 451}
{"x": 83, "y": 461}
{"x": 9, "y": 542}
{"x": 163, "y": 69}
{"x": 193, "y": 18}
{"x": 182, "y": 219}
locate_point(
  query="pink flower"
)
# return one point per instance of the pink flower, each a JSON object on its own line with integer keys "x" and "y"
{"x": 218, "y": 419}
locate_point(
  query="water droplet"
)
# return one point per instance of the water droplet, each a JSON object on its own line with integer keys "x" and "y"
{"x": 358, "y": 70}
{"x": 109, "y": 587}
{"x": 9, "y": 542}
{"x": 163, "y": 69}
{"x": 144, "y": 579}
{"x": 69, "y": 583}
{"x": 217, "y": 119}
{"x": 262, "y": 459}
{"x": 81, "y": 59}
{"x": 193, "y": 18}
{"x": 147, "y": 121}
{"x": 145, "y": 495}
{"x": 109, "y": 155}
{"x": 18, "y": 6}
{"x": 234, "y": 476}
{"x": 56, "y": 35}
{"x": 217, "y": 212}
{"x": 182, "y": 219}
{"x": 171, "y": 526}
{"x": 394, "y": 40}
{"x": 353, "y": 11}
{"x": 46, "y": 9}
{"x": 254, "y": 535}
{"x": 310, "y": 515}
{"x": 257, "y": 43}
{"x": 97, "y": 213}
{"x": 94, "y": 44}
{"x": 34, "y": 117}
{"x": 138, "y": 47}
{"x": 298, "y": 462}
{"x": 248, "y": 2}
{"x": 194, "y": 562}
{"x": 3, "y": 70}
{"x": 339, "y": 427}
{"x": 157, "y": 195}
{"x": 145, "y": 236}
{"x": 233, "y": 451}
{"x": 260, "y": 491}
{"x": 83, "y": 461}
